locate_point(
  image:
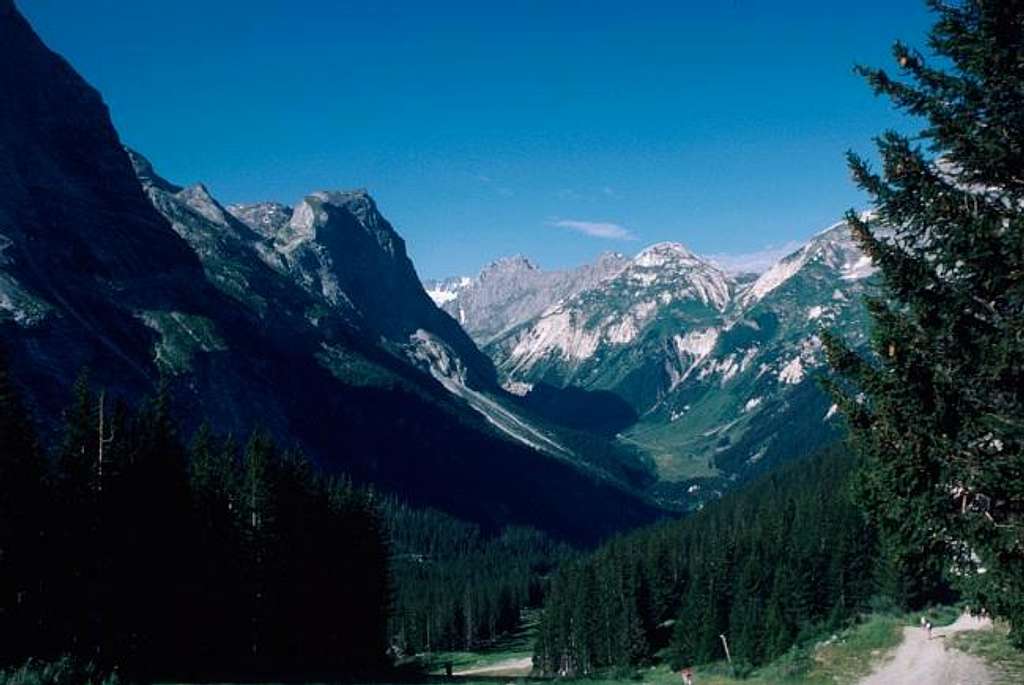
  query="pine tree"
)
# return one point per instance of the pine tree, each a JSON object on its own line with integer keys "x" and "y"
{"x": 936, "y": 406}
{"x": 24, "y": 523}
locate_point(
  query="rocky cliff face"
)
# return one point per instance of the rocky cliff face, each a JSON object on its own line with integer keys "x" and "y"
{"x": 339, "y": 247}
{"x": 289, "y": 320}
{"x": 84, "y": 259}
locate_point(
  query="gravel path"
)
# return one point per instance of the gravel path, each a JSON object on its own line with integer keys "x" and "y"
{"x": 508, "y": 667}
{"x": 920, "y": 661}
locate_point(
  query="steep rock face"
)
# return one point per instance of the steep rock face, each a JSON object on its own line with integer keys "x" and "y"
{"x": 513, "y": 290}
{"x": 91, "y": 275}
{"x": 273, "y": 273}
{"x": 338, "y": 246}
{"x": 620, "y": 334}
{"x": 236, "y": 258}
{"x": 84, "y": 255}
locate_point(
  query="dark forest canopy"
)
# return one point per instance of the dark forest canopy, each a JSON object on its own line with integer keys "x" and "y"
{"x": 127, "y": 549}
{"x": 781, "y": 560}
{"x": 123, "y": 547}
{"x": 456, "y": 587}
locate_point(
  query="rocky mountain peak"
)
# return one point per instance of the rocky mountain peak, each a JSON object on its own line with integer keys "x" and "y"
{"x": 508, "y": 265}
{"x": 662, "y": 254}
{"x": 265, "y": 218}
{"x": 147, "y": 174}
{"x": 198, "y": 197}
{"x": 833, "y": 249}
{"x": 610, "y": 258}
{"x": 333, "y": 215}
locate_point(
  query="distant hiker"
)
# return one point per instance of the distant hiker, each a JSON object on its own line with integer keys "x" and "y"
{"x": 448, "y": 668}
{"x": 928, "y": 627}
{"x": 923, "y": 621}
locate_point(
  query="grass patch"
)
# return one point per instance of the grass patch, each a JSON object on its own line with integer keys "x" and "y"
{"x": 854, "y": 652}
{"x": 842, "y": 659}
{"x": 515, "y": 645}
{"x": 993, "y": 646}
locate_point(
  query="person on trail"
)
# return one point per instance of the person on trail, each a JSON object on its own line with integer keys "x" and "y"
{"x": 928, "y": 627}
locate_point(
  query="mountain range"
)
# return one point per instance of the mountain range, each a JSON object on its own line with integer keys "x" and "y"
{"x": 720, "y": 369}
{"x": 579, "y": 401}
{"x": 306, "y": 321}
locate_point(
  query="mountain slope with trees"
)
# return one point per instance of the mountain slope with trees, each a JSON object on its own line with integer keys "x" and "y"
{"x": 780, "y": 561}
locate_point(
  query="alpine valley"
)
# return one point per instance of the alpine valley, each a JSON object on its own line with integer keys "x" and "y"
{"x": 243, "y": 440}
{"x": 579, "y": 402}
{"x": 717, "y": 369}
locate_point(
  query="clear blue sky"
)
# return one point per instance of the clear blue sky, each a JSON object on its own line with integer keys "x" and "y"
{"x": 486, "y": 129}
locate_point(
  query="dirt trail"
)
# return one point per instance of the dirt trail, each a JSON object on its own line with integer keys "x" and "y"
{"x": 508, "y": 667}
{"x": 920, "y": 661}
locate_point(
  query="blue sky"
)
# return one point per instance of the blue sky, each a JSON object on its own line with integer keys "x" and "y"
{"x": 554, "y": 129}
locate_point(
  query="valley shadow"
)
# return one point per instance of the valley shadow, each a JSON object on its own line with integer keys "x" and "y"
{"x": 596, "y": 411}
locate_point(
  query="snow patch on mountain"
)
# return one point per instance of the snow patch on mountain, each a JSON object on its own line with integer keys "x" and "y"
{"x": 441, "y": 296}
{"x": 517, "y": 387}
{"x": 862, "y": 268}
{"x": 792, "y": 373}
{"x": 443, "y": 292}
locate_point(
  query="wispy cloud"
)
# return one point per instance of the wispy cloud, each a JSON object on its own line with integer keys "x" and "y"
{"x": 755, "y": 261}
{"x": 489, "y": 181}
{"x": 595, "y": 229}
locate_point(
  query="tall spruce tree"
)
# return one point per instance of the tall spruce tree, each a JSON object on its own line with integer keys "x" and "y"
{"x": 936, "y": 406}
